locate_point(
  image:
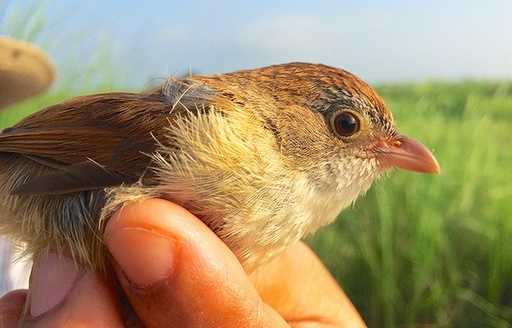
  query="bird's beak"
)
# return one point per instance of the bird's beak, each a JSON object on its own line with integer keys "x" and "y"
{"x": 406, "y": 153}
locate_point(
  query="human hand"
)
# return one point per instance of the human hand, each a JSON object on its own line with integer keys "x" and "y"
{"x": 176, "y": 272}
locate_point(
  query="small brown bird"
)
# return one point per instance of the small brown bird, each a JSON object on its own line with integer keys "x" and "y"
{"x": 263, "y": 157}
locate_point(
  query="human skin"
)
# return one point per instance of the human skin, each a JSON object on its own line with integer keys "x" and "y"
{"x": 176, "y": 272}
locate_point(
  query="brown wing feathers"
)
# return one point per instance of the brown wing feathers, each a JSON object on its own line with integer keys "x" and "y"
{"x": 87, "y": 143}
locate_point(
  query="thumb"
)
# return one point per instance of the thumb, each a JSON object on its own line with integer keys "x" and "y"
{"x": 176, "y": 272}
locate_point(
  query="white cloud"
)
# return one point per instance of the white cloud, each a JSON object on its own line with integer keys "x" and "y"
{"x": 461, "y": 39}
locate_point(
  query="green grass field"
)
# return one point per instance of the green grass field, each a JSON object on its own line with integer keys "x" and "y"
{"x": 425, "y": 251}
{"x": 435, "y": 251}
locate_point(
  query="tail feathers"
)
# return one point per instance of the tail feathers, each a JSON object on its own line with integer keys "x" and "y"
{"x": 60, "y": 222}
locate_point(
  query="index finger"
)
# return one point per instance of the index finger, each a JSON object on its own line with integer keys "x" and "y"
{"x": 300, "y": 288}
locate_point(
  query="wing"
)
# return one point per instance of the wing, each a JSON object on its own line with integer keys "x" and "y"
{"x": 89, "y": 142}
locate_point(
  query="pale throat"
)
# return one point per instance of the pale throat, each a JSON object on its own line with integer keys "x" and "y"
{"x": 326, "y": 196}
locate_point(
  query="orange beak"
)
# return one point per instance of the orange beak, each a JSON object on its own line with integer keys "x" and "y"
{"x": 407, "y": 154}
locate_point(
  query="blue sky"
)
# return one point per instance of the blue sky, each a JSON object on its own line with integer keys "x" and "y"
{"x": 379, "y": 40}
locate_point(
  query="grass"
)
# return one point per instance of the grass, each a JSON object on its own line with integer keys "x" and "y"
{"x": 435, "y": 251}
{"x": 417, "y": 250}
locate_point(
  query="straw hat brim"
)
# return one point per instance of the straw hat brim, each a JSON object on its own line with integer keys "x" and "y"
{"x": 24, "y": 71}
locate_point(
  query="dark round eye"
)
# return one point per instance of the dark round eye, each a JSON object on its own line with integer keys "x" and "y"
{"x": 346, "y": 124}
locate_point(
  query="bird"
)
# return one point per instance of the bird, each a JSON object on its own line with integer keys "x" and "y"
{"x": 264, "y": 157}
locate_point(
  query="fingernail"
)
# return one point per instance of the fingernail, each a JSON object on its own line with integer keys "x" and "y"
{"x": 51, "y": 280}
{"x": 145, "y": 256}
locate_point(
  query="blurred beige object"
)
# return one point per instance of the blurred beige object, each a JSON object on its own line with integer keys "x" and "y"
{"x": 24, "y": 71}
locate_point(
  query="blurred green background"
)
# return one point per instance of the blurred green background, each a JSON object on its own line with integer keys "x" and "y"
{"x": 435, "y": 251}
{"x": 417, "y": 250}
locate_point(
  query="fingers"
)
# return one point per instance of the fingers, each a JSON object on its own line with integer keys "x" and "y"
{"x": 307, "y": 294}
{"x": 11, "y": 307}
{"x": 176, "y": 272}
{"x": 62, "y": 296}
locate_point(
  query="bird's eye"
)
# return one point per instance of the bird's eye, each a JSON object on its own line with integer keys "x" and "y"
{"x": 346, "y": 123}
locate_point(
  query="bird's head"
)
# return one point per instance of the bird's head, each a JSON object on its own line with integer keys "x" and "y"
{"x": 334, "y": 127}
